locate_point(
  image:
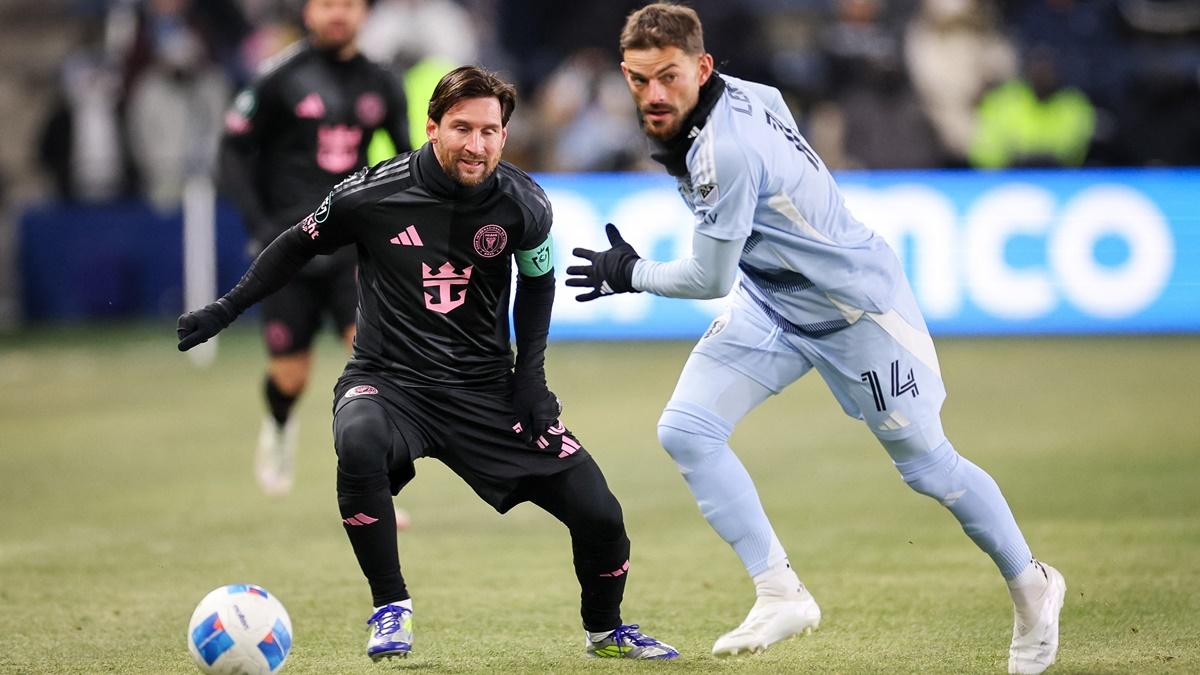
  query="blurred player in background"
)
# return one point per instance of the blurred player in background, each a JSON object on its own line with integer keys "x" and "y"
{"x": 819, "y": 290}
{"x": 320, "y": 111}
{"x": 432, "y": 372}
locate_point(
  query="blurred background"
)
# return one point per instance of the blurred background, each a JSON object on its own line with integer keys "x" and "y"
{"x": 112, "y": 107}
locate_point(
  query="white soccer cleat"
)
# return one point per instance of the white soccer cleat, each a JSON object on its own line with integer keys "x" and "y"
{"x": 770, "y": 620}
{"x": 1035, "y": 645}
{"x": 275, "y": 457}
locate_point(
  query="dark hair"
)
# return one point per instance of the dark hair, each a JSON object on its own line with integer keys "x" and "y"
{"x": 662, "y": 25}
{"x": 467, "y": 82}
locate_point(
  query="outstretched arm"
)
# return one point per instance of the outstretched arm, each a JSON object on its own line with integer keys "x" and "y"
{"x": 269, "y": 272}
{"x": 708, "y": 273}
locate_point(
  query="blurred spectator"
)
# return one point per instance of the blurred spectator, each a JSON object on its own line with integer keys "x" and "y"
{"x": 176, "y": 102}
{"x": 81, "y": 142}
{"x": 874, "y": 120}
{"x": 1033, "y": 121}
{"x": 586, "y": 121}
{"x": 955, "y": 51}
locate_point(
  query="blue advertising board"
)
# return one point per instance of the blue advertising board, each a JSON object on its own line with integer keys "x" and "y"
{"x": 1071, "y": 252}
{"x": 1089, "y": 251}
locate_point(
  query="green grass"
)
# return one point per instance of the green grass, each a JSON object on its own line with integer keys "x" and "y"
{"x": 126, "y": 495}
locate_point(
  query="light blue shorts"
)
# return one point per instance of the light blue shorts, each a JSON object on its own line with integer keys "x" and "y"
{"x": 882, "y": 369}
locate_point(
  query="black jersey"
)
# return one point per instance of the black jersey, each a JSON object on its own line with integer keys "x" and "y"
{"x": 302, "y": 127}
{"x": 435, "y": 265}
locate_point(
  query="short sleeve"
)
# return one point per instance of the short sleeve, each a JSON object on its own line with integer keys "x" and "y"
{"x": 725, "y": 183}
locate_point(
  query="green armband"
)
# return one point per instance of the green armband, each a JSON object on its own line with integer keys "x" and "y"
{"x": 536, "y": 261}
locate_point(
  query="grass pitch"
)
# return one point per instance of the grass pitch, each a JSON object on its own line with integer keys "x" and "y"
{"x": 126, "y": 494}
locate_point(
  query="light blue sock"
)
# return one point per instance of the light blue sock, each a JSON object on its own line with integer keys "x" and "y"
{"x": 970, "y": 494}
{"x": 696, "y": 439}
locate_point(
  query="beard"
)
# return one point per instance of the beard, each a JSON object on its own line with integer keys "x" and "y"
{"x": 665, "y": 129}
{"x": 449, "y": 162}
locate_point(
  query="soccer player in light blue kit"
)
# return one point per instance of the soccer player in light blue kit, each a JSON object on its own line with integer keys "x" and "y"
{"x": 818, "y": 290}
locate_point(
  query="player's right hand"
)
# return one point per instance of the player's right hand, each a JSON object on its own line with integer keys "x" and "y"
{"x": 198, "y": 326}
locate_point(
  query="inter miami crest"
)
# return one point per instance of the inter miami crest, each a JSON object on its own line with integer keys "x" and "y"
{"x": 490, "y": 240}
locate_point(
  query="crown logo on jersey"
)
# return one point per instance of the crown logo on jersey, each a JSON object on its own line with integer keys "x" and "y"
{"x": 440, "y": 287}
{"x": 490, "y": 240}
{"x": 408, "y": 237}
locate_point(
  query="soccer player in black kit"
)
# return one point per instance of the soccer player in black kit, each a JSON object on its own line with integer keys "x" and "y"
{"x": 319, "y": 112}
{"x": 432, "y": 373}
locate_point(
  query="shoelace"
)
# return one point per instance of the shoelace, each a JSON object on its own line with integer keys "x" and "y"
{"x": 629, "y": 633}
{"x": 387, "y": 619}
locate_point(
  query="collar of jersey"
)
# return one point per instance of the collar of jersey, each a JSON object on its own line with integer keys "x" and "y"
{"x": 672, "y": 153}
{"x": 432, "y": 177}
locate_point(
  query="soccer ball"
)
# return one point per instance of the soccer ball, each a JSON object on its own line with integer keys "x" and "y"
{"x": 240, "y": 629}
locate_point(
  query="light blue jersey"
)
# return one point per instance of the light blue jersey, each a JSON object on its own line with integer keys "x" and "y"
{"x": 752, "y": 175}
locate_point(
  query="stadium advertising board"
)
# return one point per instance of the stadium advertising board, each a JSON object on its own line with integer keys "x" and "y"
{"x": 1093, "y": 251}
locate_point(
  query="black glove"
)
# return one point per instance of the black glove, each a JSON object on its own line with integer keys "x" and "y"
{"x": 536, "y": 406}
{"x": 198, "y": 326}
{"x": 610, "y": 271}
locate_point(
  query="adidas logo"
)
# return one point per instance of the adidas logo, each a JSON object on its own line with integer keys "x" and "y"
{"x": 408, "y": 237}
{"x": 694, "y": 132}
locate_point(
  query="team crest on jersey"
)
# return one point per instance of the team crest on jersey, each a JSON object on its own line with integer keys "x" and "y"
{"x": 709, "y": 193}
{"x": 361, "y": 390}
{"x": 490, "y": 240}
{"x": 370, "y": 109}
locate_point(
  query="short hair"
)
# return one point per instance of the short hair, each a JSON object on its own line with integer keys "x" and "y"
{"x": 662, "y": 25}
{"x": 467, "y": 82}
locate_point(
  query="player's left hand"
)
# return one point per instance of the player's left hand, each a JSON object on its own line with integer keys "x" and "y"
{"x": 608, "y": 271}
{"x": 537, "y": 408}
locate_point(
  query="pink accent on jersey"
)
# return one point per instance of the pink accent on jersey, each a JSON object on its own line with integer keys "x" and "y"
{"x": 557, "y": 430}
{"x": 237, "y": 123}
{"x": 408, "y": 237}
{"x": 440, "y": 298}
{"x": 361, "y": 390}
{"x": 370, "y": 109}
{"x": 490, "y": 240}
{"x": 619, "y": 571}
{"x": 542, "y": 442}
{"x": 360, "y": 519}
{"x": 337, "y": 147}
{"x": 278, "y": 336}
{"x": 517, "y": 427}
{"x": 311, "y": 107}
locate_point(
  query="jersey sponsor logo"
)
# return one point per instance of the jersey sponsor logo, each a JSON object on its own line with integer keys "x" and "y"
{"x": 310, "y": 107}
{"x": 361, "y": 390}
{"x": 408, "y": 237}
{"x": 370, "y": 109}
{"x": 440, "y": 287}
{"x": 709, "y": 193}
{"x": 490, "y": 240}
{"x": 337, "y": 147}
{"x": 309, "y": 226}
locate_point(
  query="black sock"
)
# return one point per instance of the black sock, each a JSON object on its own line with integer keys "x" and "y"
{"x": 279, "y": 402}
{"x": 602, "y": 568}
{"x": 370, "y": 522}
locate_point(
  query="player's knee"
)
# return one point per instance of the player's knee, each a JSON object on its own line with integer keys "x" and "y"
{"x": 362, "y": 436}
{"x": 933, "y": 474}
{"x": 691, "y": 434}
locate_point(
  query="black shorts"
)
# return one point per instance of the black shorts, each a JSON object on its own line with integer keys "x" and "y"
{"x": 474, "y": 432}
{"x": 292, "y": 315}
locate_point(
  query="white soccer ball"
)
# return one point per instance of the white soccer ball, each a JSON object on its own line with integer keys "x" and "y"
{"x": 240, "y": 629}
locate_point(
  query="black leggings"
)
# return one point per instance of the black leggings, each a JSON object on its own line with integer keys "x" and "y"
{"x": 368, "y": 448}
